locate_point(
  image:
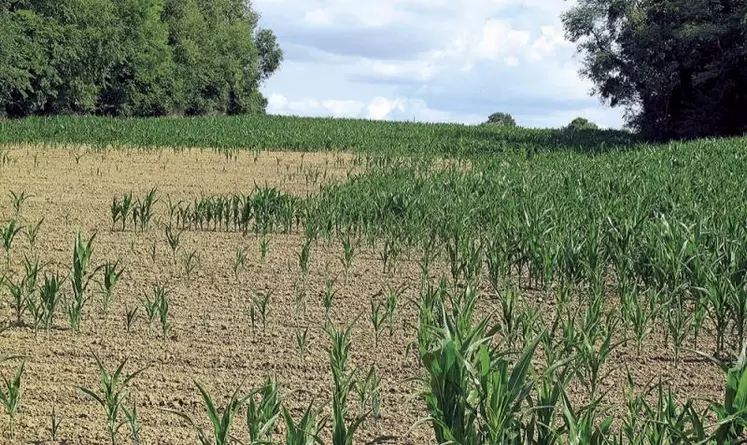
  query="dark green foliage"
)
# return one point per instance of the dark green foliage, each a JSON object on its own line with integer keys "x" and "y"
{"x": 581, "y": 123}
{"x": 679, "y": 68}
{"x": 503, "y": 119}
{"x": 132, "y": 57}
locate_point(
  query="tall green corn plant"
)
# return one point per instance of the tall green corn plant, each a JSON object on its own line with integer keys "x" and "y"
{"x": 79, "y": 279}
{"x": 732, "y": 413}
{"x": 262, "y": 414}
{"x": 448, "y": 344}
{"x": 343, "y": 381}
{"x": 501, "y": 394}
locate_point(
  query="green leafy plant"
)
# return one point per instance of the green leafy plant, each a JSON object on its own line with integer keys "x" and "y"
{"x": 111, "y": 394}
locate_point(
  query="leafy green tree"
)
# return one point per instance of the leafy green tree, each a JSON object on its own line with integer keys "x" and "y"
{"x": 581, "y": 123}
{"x": 503, "y": 119}
{"x": 142, "y": 79}
{"x": 133, "y": 57}
{"x": 679, "y": 68}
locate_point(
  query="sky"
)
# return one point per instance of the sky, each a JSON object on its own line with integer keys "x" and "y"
{"x": 428, "y": 61}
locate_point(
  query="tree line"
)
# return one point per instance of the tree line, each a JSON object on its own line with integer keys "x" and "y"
{"x": 679, "y": 68}
{"x": 133, "y": 57}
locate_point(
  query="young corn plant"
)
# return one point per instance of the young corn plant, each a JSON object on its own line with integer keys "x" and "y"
{"x": 262, "y": 412}
{"x": 8, "y": 234}
{"x": 133, "y": 422}
{"x": 239, "y": 261}
{"x": 144, "y": 209}
{"x": 343, "y": 380}
{"x": 306, "y": 431}
{"x": 111, "y": 394}
{"x": 221, "y": 424}
{"x": 349, "y": 246}
{"x": 130, "y": 316}
{"x": 79, "y": 280}
{"x": 172, "y": 239}
{"x": 32, "y": 233}
{"x": 264, "y": 248}
{"x": 303, "y": 257}
{"x": 261, "y": 302}
{"x": 120, "y": 210}
{"x": 10, "y": 395}
{"x": 328, "y": 296}
{"x": 679, "y": 324}
{"x": 369, "y": 393}
{"x": 50, "y": 294}
{"x": 163, "y": 313}
{"x": 17, "y": 200}
{"x": 732, "y": 413}
{"x": 18, "y": 299}
{"x": 377, "y": 318}
{"x": 54, "y": 425}
{"x": 111, "y": 271}
{"x": 392, "y": 303}
{"x": 189, "y": 262}
{"x": 302, "y": 343}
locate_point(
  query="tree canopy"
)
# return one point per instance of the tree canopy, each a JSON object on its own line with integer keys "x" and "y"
{"x": 679, "y": 68}
{"x": 500, "y": 118}
{"x": 133, "y": 57}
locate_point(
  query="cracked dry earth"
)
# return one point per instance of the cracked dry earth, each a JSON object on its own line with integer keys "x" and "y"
{"x": 212, "y": 340}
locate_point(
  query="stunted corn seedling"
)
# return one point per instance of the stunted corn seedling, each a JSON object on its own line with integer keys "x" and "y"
{"x": 172, "y": 239}
{"x": 328, "y": 296}
{"x": 8, "y": 234}
{"x": 130, "y": 316}
{"x": 112, "y": 394}
{"x": 369, "y": 393}
{"x": 17, "y": 200}
{"x": 349, "y": 245}
{"x": 111, "y": 271}
{"x": 264, "y": 248}
{"x": 303, "y": 257}
{"x": 301, "y": 343}
{"x": 120, "y": 210}
{"x": 189, "y": 262}
{"x": 142, "y": 211}
{"x": 32, "y": 232}
{"x": 54, "y": 425}
{"x": 261, "y": 302}
{"x": 377, "y": 318}
{"x": 133, "y": 422}
{"x": 239, "y": 259}
{"x": 221, "y": 424}
{"x": 10, "y": 395}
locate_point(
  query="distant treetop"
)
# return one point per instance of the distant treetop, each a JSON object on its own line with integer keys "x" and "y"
{"x": 503, "y": 119}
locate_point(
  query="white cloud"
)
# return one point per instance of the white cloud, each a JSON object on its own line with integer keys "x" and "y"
{"x": 453, "y": 60}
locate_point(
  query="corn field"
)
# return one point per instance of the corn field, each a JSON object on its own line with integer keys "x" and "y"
{"x": 260, "y": 284}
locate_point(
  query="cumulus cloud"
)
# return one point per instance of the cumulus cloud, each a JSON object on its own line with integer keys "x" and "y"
{"x": 445, "y": 60}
